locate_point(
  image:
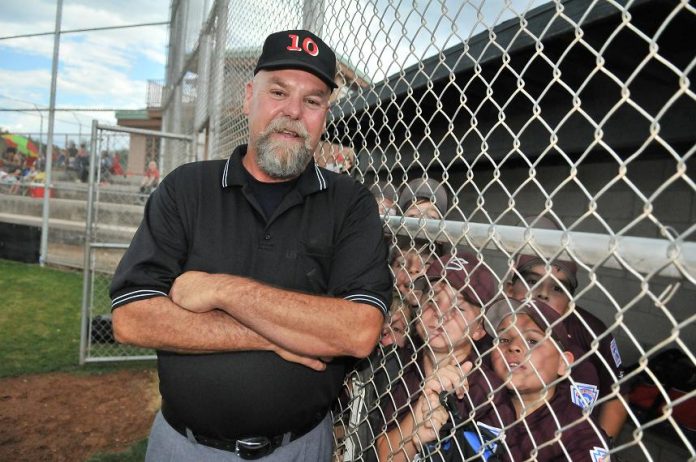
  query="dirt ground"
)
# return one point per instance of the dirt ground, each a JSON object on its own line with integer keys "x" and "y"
{"x": 69, "y": 417}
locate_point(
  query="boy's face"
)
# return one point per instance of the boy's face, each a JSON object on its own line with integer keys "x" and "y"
{"x": 447, "y": 320}
{"x": 548, "y": 289}
{"x": 407, "y": 268}
{"x": 395, "y": 329}
{"x": 423, "y": 209}
{"x": 530, "y": 360}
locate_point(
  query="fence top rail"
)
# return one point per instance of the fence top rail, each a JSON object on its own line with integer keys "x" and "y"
{"x": 141, "y": 131}
{"x": 672, "y": 258}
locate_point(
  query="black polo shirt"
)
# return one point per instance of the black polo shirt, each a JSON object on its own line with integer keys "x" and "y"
{"x": 325, "y": 237}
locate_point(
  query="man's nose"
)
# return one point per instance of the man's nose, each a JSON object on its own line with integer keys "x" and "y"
{"x": 293, "y": 107}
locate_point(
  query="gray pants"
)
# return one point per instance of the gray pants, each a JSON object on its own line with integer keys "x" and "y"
{"x": 168, "y": 445}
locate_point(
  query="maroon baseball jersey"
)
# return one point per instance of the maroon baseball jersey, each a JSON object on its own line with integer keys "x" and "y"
{"x": 607, "y": 351}
{"x": 582, "y": 441}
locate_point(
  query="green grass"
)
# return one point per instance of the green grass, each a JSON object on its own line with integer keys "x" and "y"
{"x": 40, "y": 317}
{"x": 132, "y": 454}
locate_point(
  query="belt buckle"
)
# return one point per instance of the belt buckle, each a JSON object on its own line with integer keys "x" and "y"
{"x": 253, "y": 448}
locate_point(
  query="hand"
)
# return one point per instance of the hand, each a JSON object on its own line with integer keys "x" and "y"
{"x": 194, "y": 291}
{"x": 429, "y": 417}
{"x": 312, "y": 363}
{"x": 450, "y": 378}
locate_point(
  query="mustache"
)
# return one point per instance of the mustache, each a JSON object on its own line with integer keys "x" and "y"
{"x": 283, "y": 124}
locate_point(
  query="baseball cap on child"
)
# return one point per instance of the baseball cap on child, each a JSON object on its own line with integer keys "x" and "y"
{"x": 569, "y": 268}
{"x": 465, "y": 273}
{"x": 423, "y": 188}
{"x": 526, "y": 262}
{"x": 542, "y": 314}
{"x": 298, "y": 49}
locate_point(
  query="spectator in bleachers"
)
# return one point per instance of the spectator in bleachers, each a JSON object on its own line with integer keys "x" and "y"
{"x": 423, "y": 198}
{"x": 535, "y": 367}
{"x": 82, "y": 161}
{"x": 151, "y": 178}
{"x": 556, "y": 288}
{"x": 442, "y": 385}
{"x": 116, "y": 167}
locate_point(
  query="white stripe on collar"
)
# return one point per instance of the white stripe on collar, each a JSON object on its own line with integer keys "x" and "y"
{"x": 224, "y": 172}
{"x": 320, "y": 177}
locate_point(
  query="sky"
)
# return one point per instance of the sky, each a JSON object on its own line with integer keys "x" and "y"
{"x": 110, "y": 69}
{"x": 98, "y": 69}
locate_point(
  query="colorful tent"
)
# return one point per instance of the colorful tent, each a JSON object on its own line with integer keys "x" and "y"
{"x": 22, "y": 144}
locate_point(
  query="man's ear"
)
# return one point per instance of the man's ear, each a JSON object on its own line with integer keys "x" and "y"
{"x": 248, "y": 93}
{"x": 564, "y": 361}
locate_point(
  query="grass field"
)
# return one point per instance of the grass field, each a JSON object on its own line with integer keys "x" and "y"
{"x": 40, "y": 329}
{"x": 40, "y": 318}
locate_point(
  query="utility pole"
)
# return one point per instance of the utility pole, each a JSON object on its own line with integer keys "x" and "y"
{"x": 51, "y": 122}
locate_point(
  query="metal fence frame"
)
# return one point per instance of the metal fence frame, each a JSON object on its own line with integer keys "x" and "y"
{"x": 92, "y": 244}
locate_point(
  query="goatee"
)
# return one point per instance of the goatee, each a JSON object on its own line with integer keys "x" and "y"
{"x": 280, "y": 159}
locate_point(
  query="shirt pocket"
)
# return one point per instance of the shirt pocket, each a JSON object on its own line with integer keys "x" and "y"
{"x": 314, "y": 266}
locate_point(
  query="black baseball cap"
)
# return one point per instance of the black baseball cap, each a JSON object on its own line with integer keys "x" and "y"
{"x": 298, "y": 49}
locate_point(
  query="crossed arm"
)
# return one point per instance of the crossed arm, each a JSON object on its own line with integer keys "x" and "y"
{"x": 216, "y": 312}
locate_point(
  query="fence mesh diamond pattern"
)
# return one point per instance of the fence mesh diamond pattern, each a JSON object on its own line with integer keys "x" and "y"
{"x": 542, "y": 149}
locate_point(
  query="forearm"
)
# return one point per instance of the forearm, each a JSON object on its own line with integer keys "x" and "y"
{"x": 612, "y": 416}
{"x": 161, "y": 324}
{"x": 306, "y": 324}
{"x": 397, "y": 444}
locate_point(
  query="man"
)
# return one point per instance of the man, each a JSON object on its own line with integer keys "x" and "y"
{"x": 256, "y": 277}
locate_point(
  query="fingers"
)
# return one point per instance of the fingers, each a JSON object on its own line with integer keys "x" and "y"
{"x": 312, "y": 363}
{"x": 449, "y": 379}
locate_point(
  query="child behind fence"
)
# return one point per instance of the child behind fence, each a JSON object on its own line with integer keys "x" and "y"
{"x": 443, "y": 406}
{"x": 533, "y": 356}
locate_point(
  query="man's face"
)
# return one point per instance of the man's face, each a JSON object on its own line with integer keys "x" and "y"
{"x": 526, "y": 356}
{"x": 551, "y": 290}
{"x": 287, "y": 113}
{"x": 447, "y": 320}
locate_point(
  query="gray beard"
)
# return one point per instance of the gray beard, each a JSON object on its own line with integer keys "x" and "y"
{"x": 280, "y": 160}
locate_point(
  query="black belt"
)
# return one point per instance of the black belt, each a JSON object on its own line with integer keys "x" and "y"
{"x": 250, "y": 448}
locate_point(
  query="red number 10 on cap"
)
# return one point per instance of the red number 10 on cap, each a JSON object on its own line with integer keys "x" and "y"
{"x": 308, "y": 45}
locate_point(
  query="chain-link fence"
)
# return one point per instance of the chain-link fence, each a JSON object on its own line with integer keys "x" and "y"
{"x": 550, "y": 145}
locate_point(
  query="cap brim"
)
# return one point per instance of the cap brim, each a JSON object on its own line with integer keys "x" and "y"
{"x": 292, "y": 64}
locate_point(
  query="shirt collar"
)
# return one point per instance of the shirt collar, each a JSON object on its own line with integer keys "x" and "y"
{"x": 313, "y": 179}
